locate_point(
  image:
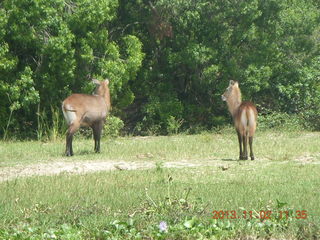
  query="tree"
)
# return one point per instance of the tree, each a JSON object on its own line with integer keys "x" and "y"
{"x": 193, "y": 49}
{"x": 52, "y": 48}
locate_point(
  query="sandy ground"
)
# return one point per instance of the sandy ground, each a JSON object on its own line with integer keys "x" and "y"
{"x": 79, "y": 167}
{"x": 9, "y": 173}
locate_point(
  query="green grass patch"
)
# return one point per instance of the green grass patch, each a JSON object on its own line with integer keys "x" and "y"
{"x": 167, "y": 203}
{"x": 131, "y": 204}
{"x": 208, "y": 146}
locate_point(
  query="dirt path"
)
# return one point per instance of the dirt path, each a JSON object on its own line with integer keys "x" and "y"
{"x": 9, "y": 173}
{"x": 54, "y": 168}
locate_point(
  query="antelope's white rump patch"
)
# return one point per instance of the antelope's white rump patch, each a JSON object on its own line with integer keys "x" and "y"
{"x": 69, "y": 113}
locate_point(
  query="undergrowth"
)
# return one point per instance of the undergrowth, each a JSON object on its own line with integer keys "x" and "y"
{"x": 179, "y": 217}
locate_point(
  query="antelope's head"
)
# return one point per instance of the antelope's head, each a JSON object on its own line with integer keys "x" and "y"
{"x": 102, "y": 87}
{"x": 233, "y": 86}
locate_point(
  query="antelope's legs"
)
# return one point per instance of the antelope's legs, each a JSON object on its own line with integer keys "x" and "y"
{"x": 251, "y": 151}
{"x": 240, "y": 145}
{"x": 245, "y": 147}
{"x": 97, "y": 128}
{"x": 71, "y": 130}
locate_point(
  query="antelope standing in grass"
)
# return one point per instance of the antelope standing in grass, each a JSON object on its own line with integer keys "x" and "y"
{"x": 88, "y": 111}
{"x": 244, "y": 115}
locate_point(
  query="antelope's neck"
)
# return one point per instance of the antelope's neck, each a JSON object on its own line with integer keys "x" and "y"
{"x": 233, "y": 105}
{"x": 107, "y": 99}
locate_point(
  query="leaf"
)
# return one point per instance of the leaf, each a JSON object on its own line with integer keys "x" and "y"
{"x": 281, "y": 204}
{"x": 189, "y": 224}
{"x": 131, "y": 222}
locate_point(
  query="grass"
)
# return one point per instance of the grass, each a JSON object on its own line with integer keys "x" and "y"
{"x": 276, "y": 146}
{"x": 91, "y": 201}
{"x": 131, "y": 204}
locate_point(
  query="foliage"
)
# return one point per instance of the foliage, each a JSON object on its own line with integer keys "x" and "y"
{"x": 174, "y": 125}
{"x": 113, "y": 126}
{"x": 192, "y": 228}
{"x": 166, "y": 59}
{"x": 194, "y": 47}
{"x": 280, "y": 121}
{"x": 50, "y": 125}
{"x": 172, "y": 217}
{"x": 50, "y": 49}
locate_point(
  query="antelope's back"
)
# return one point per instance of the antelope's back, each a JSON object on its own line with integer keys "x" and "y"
{"x": 84, "y": 108}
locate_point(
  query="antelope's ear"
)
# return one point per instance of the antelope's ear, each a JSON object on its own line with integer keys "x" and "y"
{"x": 95, "y": 81}
{"x": 106, "y": 81}
{"x": 236, "y": 83}
{"x": 231, "y": 82}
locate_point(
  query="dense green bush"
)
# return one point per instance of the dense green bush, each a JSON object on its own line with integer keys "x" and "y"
{"x": 282, "y": 121}
{"x": 113, "y": 126}
{"x": 194, "y": 48}
{"x": 50, "y": 49}
{"x": 166, "y": 59}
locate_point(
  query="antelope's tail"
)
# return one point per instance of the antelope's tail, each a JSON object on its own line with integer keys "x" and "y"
{"x": 251, "y": 121}
{"x": 69, "y": 113}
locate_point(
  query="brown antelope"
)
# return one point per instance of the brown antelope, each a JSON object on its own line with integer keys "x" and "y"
{"x": 88, "y": 111}
{"x": 244, "y": 115}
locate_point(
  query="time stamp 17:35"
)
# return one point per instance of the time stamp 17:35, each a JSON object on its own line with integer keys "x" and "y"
{"x": 263, "y": 214}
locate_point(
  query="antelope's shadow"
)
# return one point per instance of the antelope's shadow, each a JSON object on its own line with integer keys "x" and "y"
{"x": 229, "y": 160}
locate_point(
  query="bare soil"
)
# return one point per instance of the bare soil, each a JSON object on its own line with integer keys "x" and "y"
{"x": 9, "y": 173}
{"x": 80, "y": 167}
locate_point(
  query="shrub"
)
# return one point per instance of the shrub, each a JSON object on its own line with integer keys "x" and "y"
{"x": 173, "y": 125}
{"x": 113, "y": 126}
{"x": 276, "y": 120}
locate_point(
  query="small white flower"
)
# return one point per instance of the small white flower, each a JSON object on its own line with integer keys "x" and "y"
{"x": 163, "y": 227}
